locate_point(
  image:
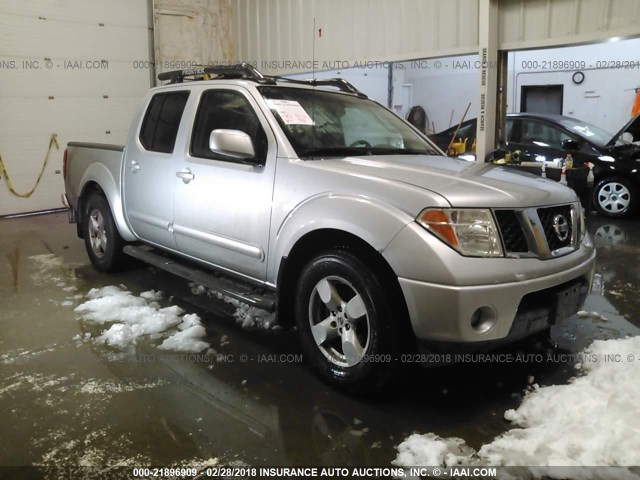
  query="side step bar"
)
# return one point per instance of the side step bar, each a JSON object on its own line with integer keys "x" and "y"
{"x": 226, "y": 286}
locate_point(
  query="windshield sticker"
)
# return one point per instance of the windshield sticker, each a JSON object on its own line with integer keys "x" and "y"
{"x": 583, "y": 130}
{"x": 291, "y": 112}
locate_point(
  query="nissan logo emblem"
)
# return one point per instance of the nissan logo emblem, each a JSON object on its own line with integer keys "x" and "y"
{"x": 561, "y": 227}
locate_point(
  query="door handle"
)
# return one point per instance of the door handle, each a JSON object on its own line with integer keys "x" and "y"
{"x": 135, "y": 166}
{"x": 185, "y": 175}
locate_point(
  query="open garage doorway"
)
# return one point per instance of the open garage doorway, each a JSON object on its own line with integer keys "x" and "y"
{"x": 542, "y": 99}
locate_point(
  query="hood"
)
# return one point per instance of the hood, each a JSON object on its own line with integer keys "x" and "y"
{"x": 463, "y": 184}
{"x": 632, "y": 127}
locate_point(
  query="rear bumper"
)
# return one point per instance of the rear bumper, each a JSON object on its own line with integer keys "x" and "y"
{"x": 508, "y": 311}
{"x": 70, "y": 210}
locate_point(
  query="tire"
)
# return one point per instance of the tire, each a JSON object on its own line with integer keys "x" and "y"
{"x": 615, "y": 197}
{"x": 101, "y": 237}
{"x": 345, "y": 322}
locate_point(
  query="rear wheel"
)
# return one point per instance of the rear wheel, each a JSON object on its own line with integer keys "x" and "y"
{"x": 615, "y": 197}
{"x": 345, "y": 322}
{"x": 101, "y": 237}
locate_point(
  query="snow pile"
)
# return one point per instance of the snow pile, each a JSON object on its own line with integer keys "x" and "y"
{"x": 188, "y": 338}
{"x": 245, "y": 315}
{"x": 132, "y": 317}
{"x": 592, "y": 421}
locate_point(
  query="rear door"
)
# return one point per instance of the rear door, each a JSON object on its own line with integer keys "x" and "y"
{"x": 223, "y": 211}
{"x": 149, "y": 177}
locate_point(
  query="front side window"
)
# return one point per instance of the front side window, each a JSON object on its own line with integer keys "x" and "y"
{"x": 321, "y": 123}
{"x": 542, "y": 134}
{"x": 161, "y": 122}
{"x": 226, "y": 109}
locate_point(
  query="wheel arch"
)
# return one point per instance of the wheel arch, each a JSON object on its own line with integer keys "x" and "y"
{"x": 98, "y": 178}
{"x": 317, "y": 241}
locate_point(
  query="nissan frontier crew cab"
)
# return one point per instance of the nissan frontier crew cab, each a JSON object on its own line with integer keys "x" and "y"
{"x": 307, "y": 198}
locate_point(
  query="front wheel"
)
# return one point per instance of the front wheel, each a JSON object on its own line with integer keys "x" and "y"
{"x": 345, "y": 321}
{"x": 615, "y": 197}
{"x": 101, "y": 237}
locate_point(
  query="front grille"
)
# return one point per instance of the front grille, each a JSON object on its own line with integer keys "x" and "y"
{"x": 545, "y": 232}
{"x": 513, "y": 236}
{"x": 553, "y": 223}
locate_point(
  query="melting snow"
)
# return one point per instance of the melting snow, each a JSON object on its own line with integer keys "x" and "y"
{"x": 591, "y": 421}
{"x": 188, "y": 339}
{"x": 245, "y": 315}
{"x": 132, "y": 317}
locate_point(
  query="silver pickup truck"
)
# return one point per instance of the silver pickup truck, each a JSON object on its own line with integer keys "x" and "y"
{"x": 307, "y": 198}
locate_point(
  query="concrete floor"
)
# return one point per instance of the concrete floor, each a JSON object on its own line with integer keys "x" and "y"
{"x": 66, "y": 401}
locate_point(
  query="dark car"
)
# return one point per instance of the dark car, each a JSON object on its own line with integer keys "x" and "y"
{"x": 541, "y": 137}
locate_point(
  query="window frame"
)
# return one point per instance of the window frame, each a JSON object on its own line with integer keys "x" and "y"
{"x": 548, "y": 125}
{"x": 151, "y": 148}
{"x": 219, "y": 157}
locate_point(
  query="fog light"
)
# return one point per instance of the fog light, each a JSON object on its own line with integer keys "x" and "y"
{"x": 483, "y": 319}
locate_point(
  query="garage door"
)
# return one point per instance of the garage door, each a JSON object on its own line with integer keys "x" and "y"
{"x": 70, "y": 70}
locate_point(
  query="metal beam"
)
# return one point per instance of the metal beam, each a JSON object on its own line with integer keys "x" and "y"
{"x": 488, "y": 79}
{"x": 151, "y": 28}
{"x": 501, "y": 98}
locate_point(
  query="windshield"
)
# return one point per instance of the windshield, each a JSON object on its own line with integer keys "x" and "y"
{"x": 590, "y": 132}
{"x": 323, "y": 124}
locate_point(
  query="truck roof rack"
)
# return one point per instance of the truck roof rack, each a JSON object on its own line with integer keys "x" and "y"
{"x": 339, "y": 83}
{"x": 247, "y": 71}
{"x": 241, "y": 70}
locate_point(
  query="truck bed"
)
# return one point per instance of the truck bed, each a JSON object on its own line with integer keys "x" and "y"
{"x": 85, "y": 160}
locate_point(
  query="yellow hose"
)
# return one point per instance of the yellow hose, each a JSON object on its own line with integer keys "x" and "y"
{"x": 3, "y": 171}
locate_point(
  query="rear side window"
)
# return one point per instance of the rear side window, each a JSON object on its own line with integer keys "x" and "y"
{"x": 226, "y": 109}
{"x": 161, "y": 122}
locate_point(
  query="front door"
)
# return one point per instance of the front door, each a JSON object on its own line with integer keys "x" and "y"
{"x": 223, "y": 207}
{"x": 148, "y": 172}
{"x": 539, "y": 141}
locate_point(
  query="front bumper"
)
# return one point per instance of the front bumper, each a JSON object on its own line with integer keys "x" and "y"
{"x": 511, "y": 309}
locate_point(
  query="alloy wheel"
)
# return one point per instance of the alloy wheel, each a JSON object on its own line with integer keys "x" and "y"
{"x": 339, "y": 321}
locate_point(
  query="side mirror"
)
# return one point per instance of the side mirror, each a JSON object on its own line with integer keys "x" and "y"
{"x": 234, "y": 144}
{"x": 627, "y": 137}
{"x": 570, "y": 145}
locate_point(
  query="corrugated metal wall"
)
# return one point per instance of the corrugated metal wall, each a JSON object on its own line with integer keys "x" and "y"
{"x": 542, "y": 23}
{"x": 271, "y": 32}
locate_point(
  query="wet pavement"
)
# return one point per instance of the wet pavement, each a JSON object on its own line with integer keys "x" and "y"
{"x": 250, "y": 400}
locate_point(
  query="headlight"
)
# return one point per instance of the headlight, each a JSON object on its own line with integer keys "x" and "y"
{"x": 471, "y": 232}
